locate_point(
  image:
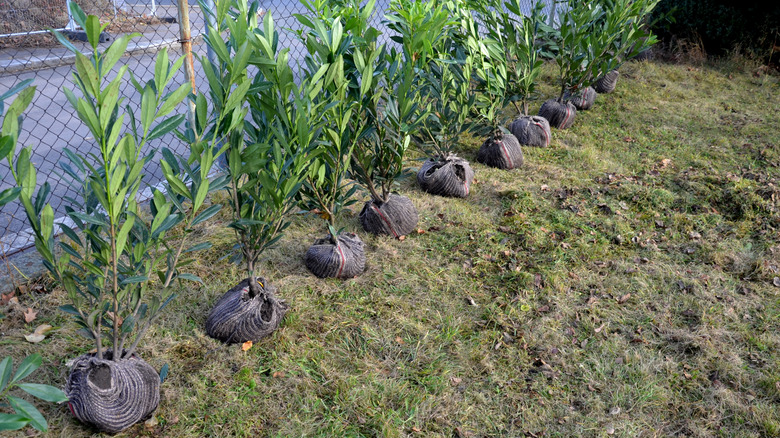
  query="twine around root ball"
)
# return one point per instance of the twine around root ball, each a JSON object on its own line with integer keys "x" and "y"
{"x": 502, "y": 152}
{"x": 112, "y": 395}
{"x": 449, "y": 177}
{"x": 238, "y": 316}
{"x": 606, "y": 83}
{"x": 397, "y": 217}
{"x": 583, "y": 100}
{"x": 343, "y": 259}
{"x": 559, "y": 114}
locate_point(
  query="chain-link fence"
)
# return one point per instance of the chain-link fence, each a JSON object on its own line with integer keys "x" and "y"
{"x": 28, "y": 51}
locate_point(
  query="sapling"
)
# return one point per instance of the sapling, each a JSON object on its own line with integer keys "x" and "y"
{"x": 525, "y": 58}
{"x": 268, "y": 156}
{"x": 501, "y": 149}
{"x": 328, "y": 190}
{"x": 378, "y": 160}
{"x": 435, "y": 39}
{"x": 114, "y": 249}
{"x": 634, "y": 39}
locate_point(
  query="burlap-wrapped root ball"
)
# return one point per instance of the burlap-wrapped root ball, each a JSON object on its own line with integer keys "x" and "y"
{"x": 112, "y": 395}
{"x": 239, "y": 316}
{"x": 397, "y": 217}
{"x": 606, "y": 83}
{"x": 559, "y": 114}
{"x": 582, "y": 100}
{"x": 343, "y": 259}
{"x": 531, "y": 131}
{"x": 502, "y": 152}
{"x": 451, "y": 176}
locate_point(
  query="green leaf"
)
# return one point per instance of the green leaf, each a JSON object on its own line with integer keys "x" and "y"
{"x": 6, "y": 367}
{"x": 200, "y": 196}
{"x": 121, "y": 238}
{"x": 134, "y": 279}
{"x": 166, "y": 126}
{"x": 23, "y": 407}
{"x": 9, "y": 195}
{"x": 206, "y": 214}
{"x": 28, "y": 365}
{"x": 163, "y": 373}
{"x": 93, "y": 30}
{"x": 176, "y": 184}
{"x": 190, "y": 277}
{"x": 199, "y": 247}
{"x": 115, "y": 51}
{"x": 148, "y": 106}
{"x": 176, "y": 97}
{"x": 13, "y": 421}
{"x": 44, "y": 392}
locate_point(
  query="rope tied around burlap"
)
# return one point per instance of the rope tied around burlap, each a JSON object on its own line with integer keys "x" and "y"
{"x": 112, "y": 395}
{"x": 501, "y": 151}
{"x": 583, "y": 100}
{"x": 238, "y": 316}
{"x": 451, "y": 176}
{"x": 396, "y": 217}
{"x": 559, "y": 114}
{"x": 531, "y": 131}
{"x": 606, "y": 83}
{"x": 343, "y": 259}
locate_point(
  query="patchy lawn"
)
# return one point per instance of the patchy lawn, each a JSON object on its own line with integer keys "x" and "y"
{"x": 623, "y": 282}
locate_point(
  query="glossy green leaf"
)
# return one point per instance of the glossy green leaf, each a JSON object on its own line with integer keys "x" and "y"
{"x": 44, "y": 392}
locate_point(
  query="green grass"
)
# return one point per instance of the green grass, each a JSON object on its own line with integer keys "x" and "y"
{"x": 621, "y": 283}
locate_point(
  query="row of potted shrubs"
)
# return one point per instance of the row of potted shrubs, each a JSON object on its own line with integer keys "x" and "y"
{"x": 346, "y": 121}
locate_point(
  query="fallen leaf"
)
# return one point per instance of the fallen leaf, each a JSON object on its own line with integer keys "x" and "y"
{"x": 5, "y": 298}
{"x": 599, "y": 328}
{"x": 416, "y": 429}
{"x": 278, "y": 374}
{"x": 246, "y": 345}
{"x": 398, "y": 340}
{"x": 665, "y": 163}
{"x": 420, "y": 231}
{"x": 29, "y": 315}
{"x": 150, "y": 423}
{"x": 39, "y": 334}
{"x": 545, "y": 188}
{"x": 471, "y": 301}
{"x": 615, "y": 411}
{"x": 455, "y": 381}
{"x": 776, "y": 281}
{"x": 624, "y": 298}
{"x": 401, "y": 238}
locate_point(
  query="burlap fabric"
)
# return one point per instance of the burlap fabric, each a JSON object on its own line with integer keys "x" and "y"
{"x": 343, "y": 259}
{"x": 606, "y": 83}
{"x": 502, "y": 152}
{"x": 582, "y": 100}
{"x": 531, "y": 131}
{"x": 397, "y": 217}
{"x": 560, "y": 115}
{"x": 112, "y": 395}
{"x": 449, "y": 177}
{"x": 238, "y": 316}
